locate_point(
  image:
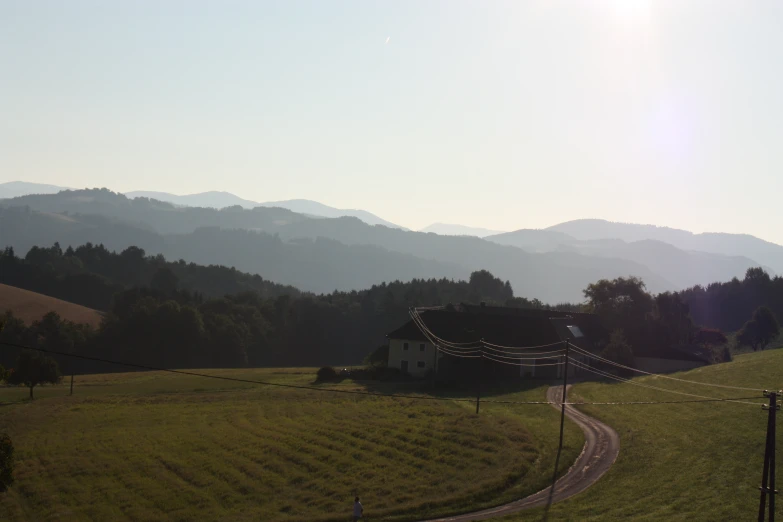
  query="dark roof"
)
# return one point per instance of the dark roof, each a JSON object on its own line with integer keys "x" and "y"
{"x": 677, "y": 353}
{"x": 500, "y": 325}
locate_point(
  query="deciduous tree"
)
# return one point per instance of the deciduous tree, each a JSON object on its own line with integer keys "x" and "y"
{"x": 33, "y": 368}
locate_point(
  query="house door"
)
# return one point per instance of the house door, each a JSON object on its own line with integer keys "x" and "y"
{"x": 404, "y": 366}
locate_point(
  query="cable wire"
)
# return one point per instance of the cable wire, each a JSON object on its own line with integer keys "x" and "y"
{"x": 522, "y": 364}
{"x": 585, "y": 352}
{"x": 431, "y": 335}
{"x": 559, "y": 343}
{"x": 359, "y": 392}
{"x": 629, "y": 381}
{"x": 458, "y": 354}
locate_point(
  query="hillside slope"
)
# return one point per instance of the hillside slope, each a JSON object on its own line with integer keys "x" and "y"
{"x": 30, "y": 306}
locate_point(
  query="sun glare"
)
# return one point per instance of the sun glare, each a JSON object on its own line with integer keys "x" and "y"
{"x": 629, "y": 11}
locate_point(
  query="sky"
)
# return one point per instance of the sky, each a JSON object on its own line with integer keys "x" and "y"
{"x": 495, "y": 114}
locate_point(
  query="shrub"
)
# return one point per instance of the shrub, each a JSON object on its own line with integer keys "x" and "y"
{"x": 619, "y": 351}
{"x": 378, "y": 357}
{"x": 327, "y": 373}
{"x": 6, "y": 462}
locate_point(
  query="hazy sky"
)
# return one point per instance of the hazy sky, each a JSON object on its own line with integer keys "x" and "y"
{"x": 504, "y": 115}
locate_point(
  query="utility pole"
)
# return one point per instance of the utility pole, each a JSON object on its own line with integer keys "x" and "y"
{"x": 478, "y": 381}
{"x": 71, "y": 384}
{"x": 768, "y": 476}
{"x": 434, "y": 365}
{"x": 562, "y": 425}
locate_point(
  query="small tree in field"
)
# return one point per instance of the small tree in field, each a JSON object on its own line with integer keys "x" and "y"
{"x": 6, "y": 462}
{"x": 33, "y": 369}
{"x": 618, "y": 350}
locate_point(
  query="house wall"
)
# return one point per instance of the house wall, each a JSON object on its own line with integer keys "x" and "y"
{"x": 414, "y": 355}
{"x": 656, "y": 365}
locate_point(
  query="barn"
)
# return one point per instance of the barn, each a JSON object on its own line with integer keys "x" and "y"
{"x": 412, "y": 351}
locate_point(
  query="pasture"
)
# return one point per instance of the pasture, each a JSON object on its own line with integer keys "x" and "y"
{"x": 694, "y": 462}
{"x": 31, "y": 306}
{"x": 156, "y": 446}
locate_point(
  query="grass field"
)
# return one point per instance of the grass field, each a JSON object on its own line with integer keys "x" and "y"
{"x": 30, "y": 306}
{"x": 682, "y": 462}
{"x": 154, "y": 446}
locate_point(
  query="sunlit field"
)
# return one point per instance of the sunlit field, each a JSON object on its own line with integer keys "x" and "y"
{"x": 699, "y": 461}
{"x": 156, "y": 446}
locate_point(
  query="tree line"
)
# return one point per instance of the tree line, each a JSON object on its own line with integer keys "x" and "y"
{"x": 642, "y": 322}
{"x": 90, "y": 275}
{"x": 178, "y": 315}
{"x": 154, "y": 317}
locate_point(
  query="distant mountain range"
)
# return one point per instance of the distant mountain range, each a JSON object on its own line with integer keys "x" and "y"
{"x": 212, "y": 199}
{"x": 314, "y": 208}
{"x": 445, "y": 229}
{"x": 317, "y": 255}
{"x": 14, "y": 189}
{"x": 765, "y": 252}
{"x": 319, "y": 248}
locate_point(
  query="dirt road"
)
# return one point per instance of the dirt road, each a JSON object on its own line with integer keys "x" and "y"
{"x": 602, "y": 445}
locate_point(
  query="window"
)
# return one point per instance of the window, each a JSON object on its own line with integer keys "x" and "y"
{"x": 420, "y": 364}
{"x": 405, "y": 346}
{"x": 575, "y": 331}
{"x": 421, "y": 347}
{"x": 404, "y": 366}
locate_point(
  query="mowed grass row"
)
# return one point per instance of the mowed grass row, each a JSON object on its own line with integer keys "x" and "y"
{"x": 156, "y": 446}
{"x": 681, "y": 462}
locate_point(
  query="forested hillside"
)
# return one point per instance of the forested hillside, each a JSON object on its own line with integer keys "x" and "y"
{"x": 317, "y": 255}
{"x": 178, "y": 314}
{"x": 90, "y": 275}
{"x": 728, "y": 305}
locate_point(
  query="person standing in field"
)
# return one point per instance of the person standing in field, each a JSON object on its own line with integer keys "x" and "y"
{"x": 358, "y": 510}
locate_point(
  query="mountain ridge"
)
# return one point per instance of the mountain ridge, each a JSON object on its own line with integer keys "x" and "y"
{"x": 210, "y": 199}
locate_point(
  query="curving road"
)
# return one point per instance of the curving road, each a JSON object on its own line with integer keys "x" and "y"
{"x": 602, "y": 445}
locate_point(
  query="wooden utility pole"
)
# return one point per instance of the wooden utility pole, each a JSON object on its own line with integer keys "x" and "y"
{"x": 768, "y": 475}
{"x": 434, "y": 365}
{"x": 478, "y": 381}
{"x": 71, "y": 384}
{"x": 562, "y": 425}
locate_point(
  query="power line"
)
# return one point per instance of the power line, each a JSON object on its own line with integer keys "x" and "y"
{"x": 489, "y": 346}
{"x": 462, "y": 355}
{"x": 419, "y": 321}
{"x": 524, "y": 358}
{"x": 628, "y": 381}
{"x": 522, "y": 364}
{"x": 429, "y": 334}
{"x": 349, "y": 392}
{"x": 525, "y": 354}
{"x": 584, "y": 352}
{"x": 251, "y": 381}
{"x": 523, "y": 347}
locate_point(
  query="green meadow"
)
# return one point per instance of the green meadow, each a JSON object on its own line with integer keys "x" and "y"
{"x": 157, "y": 446}
{"x": 694, "y": 462}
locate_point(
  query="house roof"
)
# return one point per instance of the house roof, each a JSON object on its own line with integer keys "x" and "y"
{"x": 502, "y": 326}
{"x": 676, "y": 352}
